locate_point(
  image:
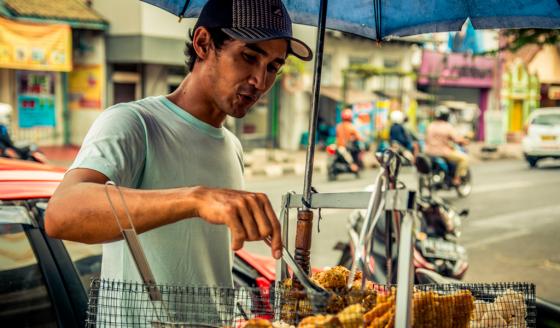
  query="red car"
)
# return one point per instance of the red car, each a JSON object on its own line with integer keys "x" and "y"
{"x": 45, "y": 281}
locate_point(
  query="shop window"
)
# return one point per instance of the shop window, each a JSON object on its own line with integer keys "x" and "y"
{"x": 358, "y": 83}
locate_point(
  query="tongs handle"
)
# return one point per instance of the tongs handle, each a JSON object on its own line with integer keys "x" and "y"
{"x": 131, "y": 239}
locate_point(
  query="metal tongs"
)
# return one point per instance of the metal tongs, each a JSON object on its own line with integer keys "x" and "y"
{"x": 302, "y": 277}
{"x": 389, "y": 163}
{"x": 130, "y": 236}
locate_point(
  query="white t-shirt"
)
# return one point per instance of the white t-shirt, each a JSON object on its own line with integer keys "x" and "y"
{"x": 154, "y": 144}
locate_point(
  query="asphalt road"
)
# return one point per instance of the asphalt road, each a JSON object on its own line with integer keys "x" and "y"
{"x": 512, "y": 233}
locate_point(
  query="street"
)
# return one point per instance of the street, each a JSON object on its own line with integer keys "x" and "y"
{"x": 511, "y": 234}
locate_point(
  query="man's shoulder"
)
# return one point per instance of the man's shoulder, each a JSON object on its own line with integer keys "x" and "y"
{"x": 138, "y": 110}
{"x": 233, "y": 138}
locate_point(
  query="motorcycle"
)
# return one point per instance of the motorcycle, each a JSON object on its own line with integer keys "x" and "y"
{"x": 337, "y": 163}
{"x": 26, "y": 152}
{"x": 435, "y": 173}
{"x": 436, "y": 248}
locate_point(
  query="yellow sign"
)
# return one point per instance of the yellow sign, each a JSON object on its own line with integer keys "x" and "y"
{"x": 37, "y": 47}
{"x": 85, "y": 84}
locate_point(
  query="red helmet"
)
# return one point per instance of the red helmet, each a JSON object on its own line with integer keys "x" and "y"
{"x": 347, "y": 115}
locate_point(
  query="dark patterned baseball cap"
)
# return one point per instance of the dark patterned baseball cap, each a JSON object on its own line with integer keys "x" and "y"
{"x": 253, "y": 21}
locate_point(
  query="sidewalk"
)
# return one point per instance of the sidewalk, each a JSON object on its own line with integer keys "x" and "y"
{"x": 277, "y": 162}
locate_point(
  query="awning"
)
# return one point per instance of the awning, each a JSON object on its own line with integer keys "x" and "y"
{"x": 40, "y": 47}
{"x": 72, "y": 12}
{"x": 353, "y": 96}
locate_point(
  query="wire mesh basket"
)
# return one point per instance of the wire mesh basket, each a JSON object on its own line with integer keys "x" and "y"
{"x": 127, "y": 304}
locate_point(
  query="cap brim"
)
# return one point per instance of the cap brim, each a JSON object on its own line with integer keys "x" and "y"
{"x": 296, "y": 47}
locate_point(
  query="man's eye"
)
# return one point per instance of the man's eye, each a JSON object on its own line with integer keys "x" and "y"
{"x": 274, "y": 69}
{"x": 249, "y": 58}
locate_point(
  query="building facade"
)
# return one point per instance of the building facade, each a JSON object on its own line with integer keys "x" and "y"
{"x": 52, "y": 62}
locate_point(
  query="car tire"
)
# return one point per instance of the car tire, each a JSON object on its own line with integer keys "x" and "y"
{"x": 532, "y": 162}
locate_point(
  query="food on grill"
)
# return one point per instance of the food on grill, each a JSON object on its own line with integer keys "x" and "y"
{"x": 507, "y": 310}
{"x": 374, "y": 306}
{"x": 282, "y": 324}
{"x": 384, "y": 305}
{"x": 387, "y": 320}
{"x": 258, "y": 323}
{"x": 320, "y": 321}
{"x": 351, "y": 316}
{"x": 334, "y": 278}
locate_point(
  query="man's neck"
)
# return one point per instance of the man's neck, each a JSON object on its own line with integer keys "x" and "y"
{"x": 193, "y": 99}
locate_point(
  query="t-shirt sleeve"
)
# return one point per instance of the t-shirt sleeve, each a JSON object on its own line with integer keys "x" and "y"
{"x": 115, "y": 146}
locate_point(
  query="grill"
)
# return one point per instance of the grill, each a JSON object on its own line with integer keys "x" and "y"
{"x": 128, "y": 304}
{"x": 334, "y": 298}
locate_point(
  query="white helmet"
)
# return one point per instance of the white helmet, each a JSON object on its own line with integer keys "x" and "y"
{"x": 442, "y": 113}
{"x": 5, "y": 113}
{"x": 397, "y": 117}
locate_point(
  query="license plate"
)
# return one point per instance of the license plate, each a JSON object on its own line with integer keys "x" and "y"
{"x": 548, "y": 138}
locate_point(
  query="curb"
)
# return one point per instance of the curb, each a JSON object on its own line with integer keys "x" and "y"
{"x": 279, "y": 170}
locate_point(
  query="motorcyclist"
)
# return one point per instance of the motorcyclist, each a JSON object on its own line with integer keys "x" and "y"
{"x": 399, "y": 137}
{"x": 348, "y": 139}
{"x": 440, "y": 139}
{"x": 7, "y": 147}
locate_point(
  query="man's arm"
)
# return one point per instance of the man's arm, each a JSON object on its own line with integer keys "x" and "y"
{"x": 79, "y": 210}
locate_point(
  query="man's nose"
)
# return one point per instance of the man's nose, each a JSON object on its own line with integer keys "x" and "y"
{"x": 258, "y": 78}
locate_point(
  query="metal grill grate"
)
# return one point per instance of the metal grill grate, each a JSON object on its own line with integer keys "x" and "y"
{"x": 127, "y": 304}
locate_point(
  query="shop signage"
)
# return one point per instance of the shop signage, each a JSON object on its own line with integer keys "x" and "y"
{"x": 84, "y": 86}
{"x": 38, "y": 47}
{"x": 35, "y": 99}
{"x": 456, "y": 70}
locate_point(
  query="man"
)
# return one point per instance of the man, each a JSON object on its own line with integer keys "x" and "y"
{"x": 399, "y": 137}
{"x": 178, "y": 167}
{"x": 440, "y": 139}
{"x": 347, "y": 139}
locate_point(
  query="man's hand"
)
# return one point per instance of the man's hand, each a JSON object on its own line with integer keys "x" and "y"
{"x": 248, "y": 215}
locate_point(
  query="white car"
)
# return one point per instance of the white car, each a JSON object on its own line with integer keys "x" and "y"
{"x": 542, "y": 135}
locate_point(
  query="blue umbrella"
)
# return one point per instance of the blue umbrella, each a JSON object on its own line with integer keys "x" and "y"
{"x": 378, "y": 19}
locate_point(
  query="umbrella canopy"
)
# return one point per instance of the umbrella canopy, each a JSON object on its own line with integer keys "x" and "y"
{"x": 378, "y": 19}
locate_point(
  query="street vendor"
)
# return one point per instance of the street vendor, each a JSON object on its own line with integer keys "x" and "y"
{"x": 179, "y": 169}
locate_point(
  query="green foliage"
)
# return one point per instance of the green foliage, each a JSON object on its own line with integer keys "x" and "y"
{"x": 293, "y": 65}
{"x": 517, "y": 39}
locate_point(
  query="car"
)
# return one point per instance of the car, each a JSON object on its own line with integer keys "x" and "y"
{"x": 44, "y": 282}
{"x": 542, "y": 135}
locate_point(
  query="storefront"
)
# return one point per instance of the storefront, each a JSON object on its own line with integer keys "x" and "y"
{"x": 520, "y": 95}
{"x": 51, "y": 71}
{"x": 459, "y": 77}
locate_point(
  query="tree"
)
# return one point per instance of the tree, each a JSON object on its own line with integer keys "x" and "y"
{"x": 516, "y": 39}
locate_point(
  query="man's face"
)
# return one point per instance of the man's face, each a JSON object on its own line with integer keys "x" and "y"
{"x": 240, "y": 73}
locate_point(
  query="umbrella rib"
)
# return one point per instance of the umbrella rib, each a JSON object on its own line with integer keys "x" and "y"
{"x": 377, "y": 17}
{"x": 182, "y": 13}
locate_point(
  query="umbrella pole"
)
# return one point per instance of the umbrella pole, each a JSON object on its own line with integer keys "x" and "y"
{"x": 305, "y": 215}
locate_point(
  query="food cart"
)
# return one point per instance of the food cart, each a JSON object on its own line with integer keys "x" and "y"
{"x": 338, "y": 297}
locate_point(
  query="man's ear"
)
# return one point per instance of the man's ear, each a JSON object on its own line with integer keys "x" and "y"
{"x": 202, "y": 42}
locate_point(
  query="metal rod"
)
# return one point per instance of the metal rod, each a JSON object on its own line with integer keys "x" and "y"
{"x": 405, "y": 271}
{"x": 389, "y": 246}
{"x": 315, "y": 101}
